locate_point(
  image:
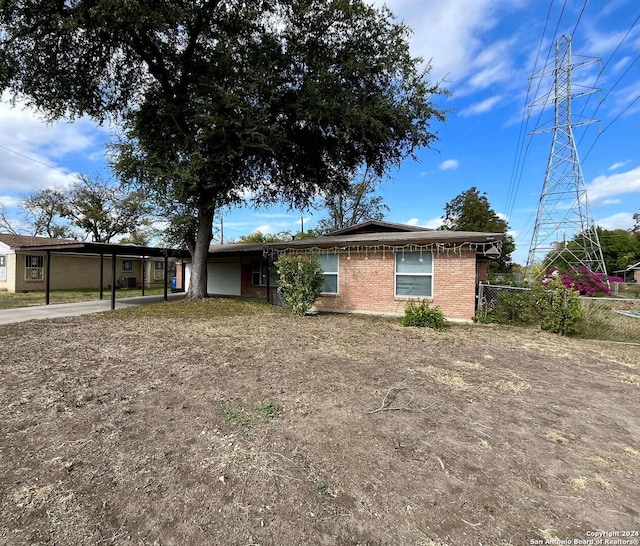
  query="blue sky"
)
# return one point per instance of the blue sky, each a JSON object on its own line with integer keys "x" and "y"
{"x": 484, "y": 51}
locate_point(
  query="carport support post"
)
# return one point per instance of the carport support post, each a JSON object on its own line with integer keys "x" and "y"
{"x": 144, "y": 274}
{"x": 48, "y": 279}
{"x": 113, "y": 281}
{"x": 166, "y": 274}
{"x": 101, "y": 273}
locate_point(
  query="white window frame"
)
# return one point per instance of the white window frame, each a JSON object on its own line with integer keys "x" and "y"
{"x": 34, "y": 273}
{"x": 158, "y": 272}
{"x": 3, "y": 267}
{"x": 335, "y": 274}
{"x": 400, "y": 255}
{"x": 123, "y": 268}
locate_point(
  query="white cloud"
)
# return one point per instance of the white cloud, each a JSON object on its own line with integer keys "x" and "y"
{"x": 453, "y": 37}
{"x": 620, "y": 64}
{"x": 31, "y": 149}
{"x": 432, "y": 223}
{"x": 9, "y": 201}
{"x": 611, "y": 202}
{"x": 265, "y": 228}
{"x": 449, "y": 165}
{"x": 622, "y": 220}
{"x": 618, "y": 165}
{"x": 600, "y": 43}
{"x": 481, "y": 107}
{"x": 603, "y": 186}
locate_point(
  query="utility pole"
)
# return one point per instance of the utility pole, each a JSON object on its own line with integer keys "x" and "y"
{"x": 564, "y": 234}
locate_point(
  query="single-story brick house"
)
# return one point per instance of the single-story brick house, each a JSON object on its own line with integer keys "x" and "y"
{"x": 372, "y": 267}
{"x": 74, "y": 265}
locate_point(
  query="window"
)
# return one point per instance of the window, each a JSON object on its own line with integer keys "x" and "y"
{"x": 33, "y": 267}
{"x": 259, "y": 274}
{"x": 329, "y": 265}
{"x": 127, "y": 266}
{"x": 3, "y": 268}
{"x": 414, "y": 274}
{"x": 158, "y": 270}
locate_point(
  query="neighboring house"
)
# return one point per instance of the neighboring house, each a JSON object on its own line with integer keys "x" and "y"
{"x": 631, "y": 274}
{"x": 74, "y": 265}
{"x": 372, "y": 267}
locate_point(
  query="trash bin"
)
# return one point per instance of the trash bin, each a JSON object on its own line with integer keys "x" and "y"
{"x": 174, "y": 284}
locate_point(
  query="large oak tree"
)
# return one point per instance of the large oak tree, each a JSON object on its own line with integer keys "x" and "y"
{"x": 219, "y": 99}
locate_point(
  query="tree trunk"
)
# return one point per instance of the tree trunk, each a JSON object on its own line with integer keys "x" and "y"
{"x": 199, "y": 255}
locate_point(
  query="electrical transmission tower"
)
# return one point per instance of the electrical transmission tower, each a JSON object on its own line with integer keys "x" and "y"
{"x": 564, "y": 233}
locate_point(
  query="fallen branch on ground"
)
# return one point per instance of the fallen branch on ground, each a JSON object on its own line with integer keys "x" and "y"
{"x": 389, "y": 398}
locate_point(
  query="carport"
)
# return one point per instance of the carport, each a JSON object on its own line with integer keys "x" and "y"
{"x": 113, "y": 251}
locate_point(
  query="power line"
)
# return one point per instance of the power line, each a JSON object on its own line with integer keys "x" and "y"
{"x": 34, "y": 160}
{"x": 519, "y": 173}
{"x": 579, "y": 18}
{"x": 610, "y": 124}
{"x": 605, "y": 98}
{"x": 604, "y": 67}
{"x": 523, "y": 125}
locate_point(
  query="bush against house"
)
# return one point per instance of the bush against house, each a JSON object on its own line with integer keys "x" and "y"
{"x": 423, "y": 316}
{"x": 301, "y": 281}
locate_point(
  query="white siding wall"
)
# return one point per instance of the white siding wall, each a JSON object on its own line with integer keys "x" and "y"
{"x": 222, "y": 278}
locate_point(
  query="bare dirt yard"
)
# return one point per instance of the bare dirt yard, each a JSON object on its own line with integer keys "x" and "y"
{"x": 235, "y": 423}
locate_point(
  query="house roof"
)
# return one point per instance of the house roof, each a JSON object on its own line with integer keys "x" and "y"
{"x": 388, "y": 239}
{"x": 34, "y": 244}
{"x": 630, "y": 268}
{"x": 23, "y": 241}
{"x": 375, "y": 226}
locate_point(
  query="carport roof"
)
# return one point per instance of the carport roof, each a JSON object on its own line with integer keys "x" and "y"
{"x": 105, "y": 248}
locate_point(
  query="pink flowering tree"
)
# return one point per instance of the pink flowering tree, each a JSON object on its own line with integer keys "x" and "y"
{"x": 583, "y": 280}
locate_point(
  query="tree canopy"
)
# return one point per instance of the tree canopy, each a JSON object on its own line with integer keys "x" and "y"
{"x": 357, "y": 203}
{"x": 5, "y": 224}
{"x": 219, "y": 98}
{"x": 90, "y": 208}
{"x": 471, "y": 211}
{"x": 620, "y": 249}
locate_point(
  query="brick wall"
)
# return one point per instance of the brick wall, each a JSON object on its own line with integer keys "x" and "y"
{"x": 366, "y": 284}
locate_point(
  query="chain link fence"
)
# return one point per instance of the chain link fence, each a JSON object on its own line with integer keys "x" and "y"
{"x": 491, "y": 296}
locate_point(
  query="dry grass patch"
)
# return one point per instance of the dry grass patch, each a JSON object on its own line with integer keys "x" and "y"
{"x": 611, "y": 464}
{"x": 579, "y": 483}
{"x": 632, "y": 452}
{"x": 629, "y": 379}
{"x": 555, "y": 436}
{"x": 512, "y": 387}
{"x": 605, "y": 484}
{"x": 443, "y": 376}
{"x": 227, "y": 422}
{"x": 464, "y": 365}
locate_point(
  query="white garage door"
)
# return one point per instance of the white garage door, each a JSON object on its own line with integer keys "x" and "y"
{"x": 222, "y": 279}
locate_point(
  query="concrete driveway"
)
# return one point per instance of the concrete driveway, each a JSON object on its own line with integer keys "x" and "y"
{"x": 40, "y": 312}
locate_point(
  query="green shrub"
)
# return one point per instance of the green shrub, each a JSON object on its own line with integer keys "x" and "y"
{"x": 553, "y": 307}
{"x": 420, "y": 314}
{"x": 512, "y": 307}
{"x": 560, "y": 308}
{"x": 301, "y": 282}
